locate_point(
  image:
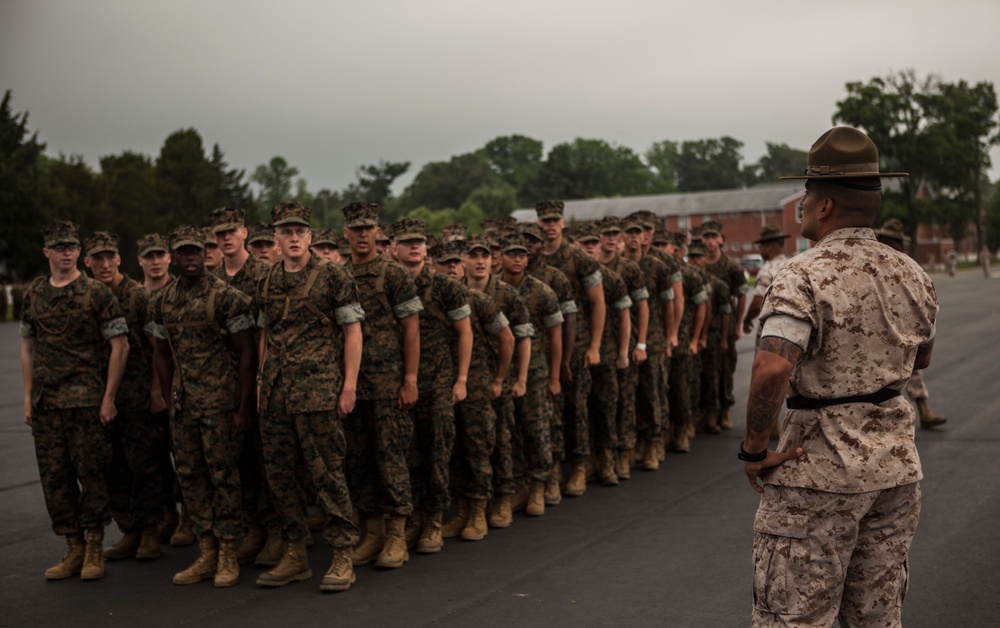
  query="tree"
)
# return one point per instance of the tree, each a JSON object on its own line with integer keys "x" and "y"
{"x": 275, "y": 180}
{"x": 128, "y": 193}
{"x": 229, "y": 187}
{"x": 442, "y": 184}
{"x": 662, "y": 158}
{"x": 375, "y": 181}
{"x": 779, "y": 160}
{"x": 587, "y": 168}
{"x": 185, "y": 182}
{"x": 516, "y": 159}
{"x": 497, "y": 200}
{"x": 712, "y": 164}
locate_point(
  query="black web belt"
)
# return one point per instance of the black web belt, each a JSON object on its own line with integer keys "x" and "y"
{"x": 806, "y": 403}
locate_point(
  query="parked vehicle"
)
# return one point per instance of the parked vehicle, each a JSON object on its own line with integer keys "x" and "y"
{"x": 752, "y": 264}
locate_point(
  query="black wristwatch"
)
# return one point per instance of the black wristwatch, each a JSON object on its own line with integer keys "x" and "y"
{"x": 748, "y": 457}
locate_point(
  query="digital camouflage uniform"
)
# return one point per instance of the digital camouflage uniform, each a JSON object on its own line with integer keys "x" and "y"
{"x": 651, "y": 413}
{"x": 835, "y": 525}
{"x": 379, "y": 433}
{"x": 684, "y": 370}
{"x": 603, "y": 399}
{"x": 710, "y": 398}
{"x": 445, "y": 302}
{"x": 70, "y": 327}
{"x": 135, "y": 479}
{"x": 301, "y": 314}
{"x": 206, "y": 392}
{"x": 472, "y": 471}
{"x": 732, "y": 274}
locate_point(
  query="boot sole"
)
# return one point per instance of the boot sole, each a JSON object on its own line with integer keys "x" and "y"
{"x": 226, "y": 585}
{"x": 187, "y": 582}
{"x": 387, "y": 565}
{"x": 338, "y": 586}
{"x": 61, "y": 576}
{"x": 299, "y": 577}
{"x": 92, "y": 577}
{"x": 429, "y": 549}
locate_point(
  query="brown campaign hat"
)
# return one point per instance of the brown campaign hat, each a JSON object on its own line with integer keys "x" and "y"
{"x": 893, "y": 228}
{"x": 60, "y": 232}
{"x": 409, "y": 229}
{"x": 100, "y": 242}
{"x": 186, "y": 235}
{"x": 843, "y": 152}
{"x": 226, "y": 219}
{"x": 769, "y": 233}
{"x": 549, "y": 209}
{"x": 360, "y": 214}
{"x": 151, "y": 242}
{"x": 291, "y": 212}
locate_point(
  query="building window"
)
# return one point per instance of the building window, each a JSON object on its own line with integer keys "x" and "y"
{"x": 748, "y": 246}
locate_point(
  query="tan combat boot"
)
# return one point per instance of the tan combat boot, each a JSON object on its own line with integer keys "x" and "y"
{"x": 184, "y": 534}
{"x": 293, "y": 567}
{"x": 553, "y": 493}
{"x": 126, "y": 547}
{"x": 502, "y": 516}
{"x": 374, "y": 541}
{"x": 623, "y": 464}
{"x": 227, "y": 571}
{"x": 576, "y": 485}
{"x": 394, "y": 554}
{"x": 340, "y": 576}
{"x": 274, "y": 549}
{"x": 651, "y": 460}
{"x": 520, "y": 497}
{"x": 476, "y": 529}
{"x": 712, "y": 422}
{"x": 253, "y": 543}
{"x": 682, "y": 443}
{"x": 666, "y": 442}
{"x": 606, "y": 467}
{"x": 149, "y": 544}
{"x": 430, "y": 537}
{"x": 726, "y": 420}
{"x": 927, "y": 418}
{"x": 72, "y": 562}
{"x": 414, "y": 524}
{"x": 204, "y": 567}
{"x": 639, "y": 453}
{"x": 93, "y": 556}
{"x": 536, "y": 499}
{"x": 457, "y": 523}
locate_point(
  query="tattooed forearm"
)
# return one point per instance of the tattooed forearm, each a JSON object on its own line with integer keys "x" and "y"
{"x": 781, "y": 347}
{"x": 763, "y": 407}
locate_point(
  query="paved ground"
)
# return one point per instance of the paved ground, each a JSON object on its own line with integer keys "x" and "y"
{"x": 667, "y": 548}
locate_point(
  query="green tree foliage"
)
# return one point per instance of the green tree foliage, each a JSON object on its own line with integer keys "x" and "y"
{"x": 442, "y": 184}
{"x": 712, "y": 164}
{"x": 496, "y": 201}
{"x": 517, "y": 159}
{"x": 229, "y": 184}
{"x": 992, "y": 217}
{"x": 185, "y": 184}
{"x": 275, "y": 180}
{"x": 588, "y": 168}
{"x": 22, "y": 174}
{"x": 779, "y": 160}
{"x": 127, "y": 183}
{"x": 661, "y": 157}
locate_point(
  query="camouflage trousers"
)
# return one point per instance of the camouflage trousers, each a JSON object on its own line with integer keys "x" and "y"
{"x": 915, "y": 386}
{"x": 681, "y": 393}
{"x": 728, "y": 372}
{"x": 711, "y": 379}
{"x": 532, "y": 431}
{"x": 503, "y": 454}
{"x": 668, "y": 366}
{"x": 433, "y": 443}
{"x": 315, "y": 441}
{"x": 170, "y": 489}
{"x": 135, "y": 478}
{"x": 648, "y": 408}
{"x": 819, "y": 556}
{"x": 557, "y": 432}
{"x": 576, "y": 422}
{"x": 379, "y": 438}
{"x": 603, "y": 406}
{"x": 73, "y": 452}
{"x": 628, "y": 384}
{"x": 255, "y": 492}
{"x": 205, "y": 454}
{"x": 471, "y": 469}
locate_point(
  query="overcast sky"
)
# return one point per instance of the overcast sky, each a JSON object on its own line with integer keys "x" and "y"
{"x": 337, "y": 84}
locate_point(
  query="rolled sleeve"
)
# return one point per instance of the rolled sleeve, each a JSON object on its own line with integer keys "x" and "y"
{"x": 700, "y": 297}
{"x": 593, "y": 279}
{"x": 527, "y": 330}
{"x": 667, "y": 295}
{"x": 238, "y": 323}
{"x": 347, "y": 314}
{"x": 640, "y": 294}
{"x": 114, "y": 327}
{"x": 156, "y": 330}
{"x": 623, "y": 303}
{"x": 458, "y": 314}
{"x": 794, "y": 330}
{"x": 568, "y": 307}
{"x": 552, "y": 320}
{"x": 676, "y": 277}
{"x": 408, "y": 308}
{"x": 496, "y": 325}
{"x": 25, "y": 330}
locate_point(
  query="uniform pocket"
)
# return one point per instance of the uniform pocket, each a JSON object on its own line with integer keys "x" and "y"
{"x": 780, "y": 560}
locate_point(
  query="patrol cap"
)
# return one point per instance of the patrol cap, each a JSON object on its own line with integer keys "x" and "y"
{"x": 324, "y": 236}
{"x": 513, "y": 242}
{"x": 261, "y": 232}
{"x": 697, "y": 249}
{"x": 645, "y": 218}
{"x": 289, "y": 213}
{"x": 151, "y": 242}
{"x": 549, "y": 209}
{"x": 586, "y": 232}
{"x": 452, "y": 251}
{"x": 226, "y": 219}
{"x": 60, "y": 232}
{"x": 478, "y": 242}
{"x": 207, "y": 237}
{"x": 631, "y": 224}
{"x": 101, "y": 242}
{"x": 609, "y": 225}
{"x": 385, "y": 233}
{"x": 531, "y": 230}
{"x": 409, "y": 229}
{"x": 186, "y": 235}
{"x": 360, "y": 214}
{"x": 662, "y": 236}
{"x": 711, "y": 228}
{"x": 455, "y": 231}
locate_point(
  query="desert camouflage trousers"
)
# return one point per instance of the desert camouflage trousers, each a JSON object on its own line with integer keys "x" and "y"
{"x": 819, "y": 556}
{"x": 135, "y": 477}
{"x": 379, "y": 438}
{"x": 205, "y": 455}
{"x": 433, "y": 443}
{"x": 73, "y": 452}
{"x": 315, "y": 441}
{"x": 915, "y": 386}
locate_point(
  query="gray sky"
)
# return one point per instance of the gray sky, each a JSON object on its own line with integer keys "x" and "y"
{"x": 338, "y": 84}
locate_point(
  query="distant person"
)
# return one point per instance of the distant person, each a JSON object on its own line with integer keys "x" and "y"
{"x": 771, "y": 245}
{"x": 984, "y": 261}
{"x": 843, "y": 327}
{"x": 950, "y": 262}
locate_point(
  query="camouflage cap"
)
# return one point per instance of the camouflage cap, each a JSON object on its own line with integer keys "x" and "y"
{"x": 697, "y": 249}
{"x": 324, "y": 236}
{"x": 452, "y": 251}
{"x": 531, "y": 230}
{"x": 631, "y": 224}
{"x": 291, "y": 212}
{"x": 360, "y": 214}
{"x": 207, "y": 237}
{"x": 549, "y": 209}
{"x": 586, "y": 232}
{"x": 455, "y": 231}
{"x": 680, "y": 239}
{"x": 151, "y": 242}
{"x": 186, "y": 235}
{"x": 662, "y": 236}
{"x": 608, "y": 225}
{"x": 513, "y": 241}
{"x": 645, "y": 218}
{"x": 100, "y": 242}
{"x": 409, "y": 229}
{"x": 344, "y": 247}
{"x": 261, "y": 232}
{"x": 432, "y": 241}
{"x": 478, "y": 242}
{"x": 60, "y": 232}
{"x": 227, "y": 218}
{"x": 697, "y": 232}
{"x": 711, "y": 228}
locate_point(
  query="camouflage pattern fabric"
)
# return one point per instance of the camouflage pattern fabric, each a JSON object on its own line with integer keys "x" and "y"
{"x": 650, "y": 414}
{"x": 915, "y": 387}
{"x": 379, "y": 439}
{"x": 731, "y": 273}
{"x": 136, "y": 305}
{"x": 821, "y": 556}
{"x": 603, "y": 399}
{"x": 583, "y": 274}
{"x": 247, "y": 279}
{"x": 712, "y": 357}
{"x": 135, "y": 475}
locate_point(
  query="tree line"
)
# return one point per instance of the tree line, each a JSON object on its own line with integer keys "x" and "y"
{"x": 939, "y": 132}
